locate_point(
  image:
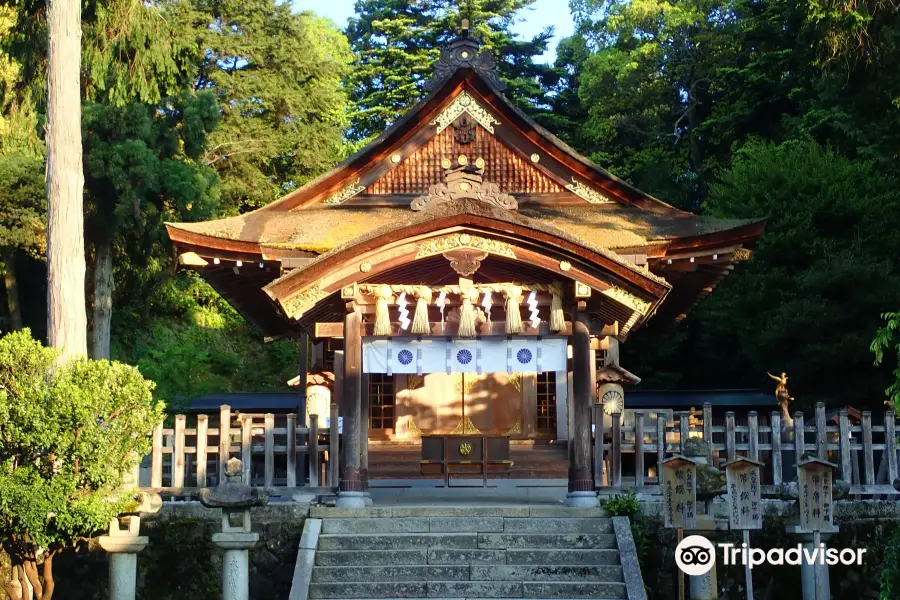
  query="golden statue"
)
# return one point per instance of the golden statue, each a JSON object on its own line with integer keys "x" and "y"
{"x": 782, "y": 395}
{"x": 694, "y": 419}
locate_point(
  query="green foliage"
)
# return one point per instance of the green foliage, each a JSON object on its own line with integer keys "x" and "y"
{"x": 623, "y": 505}
{"x": 825, "y": 269}
{"x": 142, "y": 166}
{"x": 22, "y": 210}
{"x": 890, "y": 570}
{"x": 397, "y": 42}
{"x": 69, "y": 434}
{"x": 277, "y": 77}
{"x": 887, "y": 338}
{"x": 191, "y": 342}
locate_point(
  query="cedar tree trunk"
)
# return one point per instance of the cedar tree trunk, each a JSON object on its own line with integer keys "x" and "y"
{"x": 66, "y": 314}
{"x": 103, "y": 291}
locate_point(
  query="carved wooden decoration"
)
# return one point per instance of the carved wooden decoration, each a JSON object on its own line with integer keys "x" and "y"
{"x": 463, "y": 52}
{"x": 465, "y": 262}
{"x": 461, "y": 183}
{"x": 464, "y": 104}
{"x": 465, "y": 130}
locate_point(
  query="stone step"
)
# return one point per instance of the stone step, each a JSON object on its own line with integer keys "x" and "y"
{"x": 466, "y": 557}
{"x": 472, "y": 589}
{"x": 596, "y": 589}
{"x": 557, "y": 556}
{"x": 369, "y": 589}
{"x": 546, "y": 573}
{"x": 546, "y": 511}
{"x": 556, "y": 525}
{"x": 397, "y": 541}
{"x": 361, "y": 558}
{"x": 416, "y": 525}
{"x": 390, "y": 573}
{"x": 540, "y": 541}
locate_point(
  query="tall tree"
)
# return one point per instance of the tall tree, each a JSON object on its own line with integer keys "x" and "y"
{"x": 143, "y": 167}
{"x": 396, "y": 42}
{"x": 67, "y": 318}
{"x": 277, "y": 77}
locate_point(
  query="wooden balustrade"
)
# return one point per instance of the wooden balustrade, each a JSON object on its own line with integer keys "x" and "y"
{"x": 866, "y": 454}
{"x": 276, "y": 452}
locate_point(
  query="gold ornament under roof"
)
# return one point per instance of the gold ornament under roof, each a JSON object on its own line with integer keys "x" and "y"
{"x": 465, "y": 449}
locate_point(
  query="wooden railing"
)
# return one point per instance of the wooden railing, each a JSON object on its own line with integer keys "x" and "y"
{"x": 866, "y": 454}
{"x": 277, "y": 452}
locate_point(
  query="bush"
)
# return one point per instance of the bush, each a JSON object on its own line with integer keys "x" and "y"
{"x": 69, "y": 434}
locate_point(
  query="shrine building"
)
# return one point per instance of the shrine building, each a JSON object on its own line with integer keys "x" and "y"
{"x": 467, "y": 278}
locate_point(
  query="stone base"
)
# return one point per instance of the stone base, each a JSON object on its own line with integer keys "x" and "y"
{"x": 350, "y": 500}
{"x": 582, "y": 499}
{"x": 367, "y": 498}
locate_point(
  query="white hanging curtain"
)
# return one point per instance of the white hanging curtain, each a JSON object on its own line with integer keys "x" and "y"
{"x": 440, "y": 355}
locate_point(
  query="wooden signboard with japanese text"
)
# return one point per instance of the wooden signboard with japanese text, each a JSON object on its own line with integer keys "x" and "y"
{"x": 815, "y": 482}
{"x": 744, "y": 494}
{"x": 680, "y": 492}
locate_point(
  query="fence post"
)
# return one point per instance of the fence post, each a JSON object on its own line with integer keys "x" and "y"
{"x": 684, "y": 429}
{"x": 775, "y": 436}
{"x": 844, "y": 433}
{"x": 890, "y": 445}
{"x": 616, "y": 450}
{"x": 821, "y": 449}
{"x": 270, "y": 450}
{"x": 156, "y": 458}
{"x": 707, "y": 424}
{"x": 178, "y": 453}
{"x": 224, "y": 440}
{"x": 729, "y": 436}
{"x": 639, "y": 448}
{"x": 292, "y": 450}
{"x": 753, "y": 435}
{"x": 334, "y": 460}
{"x": 867, "y": 447}
{"x": 799, "y": 436}
{"x": 660, "y": 444}
{"x": 246, "y": 448}
{"x": 315, "y": 459}
{"x": 202, "y": 434}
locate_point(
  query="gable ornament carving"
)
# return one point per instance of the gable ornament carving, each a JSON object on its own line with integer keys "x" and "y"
{"x": 639, "y": 305}
{"x": 297, "y": 304}
{"x": 588, "y": 193}
{"x": 345, "y": 194}
{"x": 465, "y": 104}
{"x": 465, "y": 182}
{"x": 463, "y": 52}
{"x": 456, "y": 241}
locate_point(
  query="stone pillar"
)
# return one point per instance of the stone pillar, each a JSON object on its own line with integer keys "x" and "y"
{"x": 581, "y": 477}
{"x": 123, "y": 547}
{"x": 235, "y": 499}
{"x": 812, "y": 575}
{"x": 350, "y": 494}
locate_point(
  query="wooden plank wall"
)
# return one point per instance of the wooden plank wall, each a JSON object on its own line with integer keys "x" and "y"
{"x": 276, "y": 451}
{"x": 866, "y": 453}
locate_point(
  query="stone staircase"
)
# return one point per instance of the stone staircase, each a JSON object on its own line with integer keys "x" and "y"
{"x": 476, "y": 552}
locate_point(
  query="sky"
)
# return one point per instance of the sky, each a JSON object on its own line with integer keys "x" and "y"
{"x": 541, "y": 14}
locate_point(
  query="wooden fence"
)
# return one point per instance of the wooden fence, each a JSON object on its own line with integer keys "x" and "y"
{"x": 866, "y": 454}
{"x": 277, "y": 452}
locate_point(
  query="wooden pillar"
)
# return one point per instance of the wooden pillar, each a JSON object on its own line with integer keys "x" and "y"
{"x": 364, "y": 429}
{"x": 529, "y": 405}
{"x": 581, "y": 478}
{"x": 302, "y": 370}
{"x": 352, "y": 484}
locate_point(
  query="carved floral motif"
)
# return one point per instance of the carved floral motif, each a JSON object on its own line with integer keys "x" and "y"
{"x": 345, "y": 194}
{"x": 588, "y": 193}
{"x": 463, "y": 240}
{"x": 465, "y": 104}
{"x": 628, "y": 299}
{"x": 297, "y": 304}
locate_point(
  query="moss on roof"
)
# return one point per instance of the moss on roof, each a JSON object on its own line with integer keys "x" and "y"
{"x": 318, "y": 229}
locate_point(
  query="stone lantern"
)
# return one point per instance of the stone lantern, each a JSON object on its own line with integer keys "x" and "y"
{"x": 123, "y": 545}
{"x": 235, "y": 498}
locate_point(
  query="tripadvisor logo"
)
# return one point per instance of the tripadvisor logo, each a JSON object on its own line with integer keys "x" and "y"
{"x": 696, "y": 555}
